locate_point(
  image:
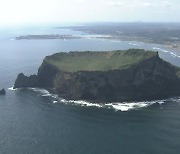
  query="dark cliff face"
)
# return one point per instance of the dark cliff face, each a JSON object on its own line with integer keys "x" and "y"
{"x": 23, "y": 81}
{"x": 150, "y": 79}
{"x": 46, "y": 75}
{"x": 44, "y": 78}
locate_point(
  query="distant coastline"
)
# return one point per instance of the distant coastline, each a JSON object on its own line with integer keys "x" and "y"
{"x": 166, "y": 34}
{"x": 134, "y": 41}
{"x": 46, "y": 36}
{"x": 108, "y": 37}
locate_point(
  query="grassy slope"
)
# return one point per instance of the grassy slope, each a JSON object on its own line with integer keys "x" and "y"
{"x": 98, "y": 61}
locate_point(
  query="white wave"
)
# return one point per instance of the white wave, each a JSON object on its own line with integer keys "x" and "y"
{"x": 120, "y": 106}
{"x": 40, "y": 90}
{"x": 54, "y": 95}
{"x": 45, "y": 95}
{"x": 173, "y": 54}
{"x": 55, "y": 102}
{"x": 117, "y": 106}
{"x": 127, "y": 106}
{"x": 134, "y": 44}
{"x": 155, "y": 48}
{"x": 12, "y": 88}
{"x": 161, "y": 102}
{"x": 44, "y": 92}
{"x": 133, "y": 105}
{"x": 84, "y": 103}
{"x": 166, "y": 51}
{"x": 174, "y": 99}
{"x": 80, "y": 103}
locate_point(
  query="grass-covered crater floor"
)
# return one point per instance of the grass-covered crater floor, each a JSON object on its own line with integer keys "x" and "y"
{"x": 98, "y": 61}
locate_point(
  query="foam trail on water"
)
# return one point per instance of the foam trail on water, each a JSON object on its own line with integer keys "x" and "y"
{"x": 44, "y": 92}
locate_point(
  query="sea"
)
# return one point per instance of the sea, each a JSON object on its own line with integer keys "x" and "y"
{"x": 33, "y": 121}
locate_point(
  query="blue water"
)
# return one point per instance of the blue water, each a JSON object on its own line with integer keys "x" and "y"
{"x": 31, "y": 123}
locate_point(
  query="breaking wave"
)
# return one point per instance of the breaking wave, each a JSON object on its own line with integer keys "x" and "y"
{"x": 11, "y": 88}
{"x": 117, "y": 106}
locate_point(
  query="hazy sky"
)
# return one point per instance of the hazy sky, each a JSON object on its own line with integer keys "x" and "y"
{"x": 53, "y": 11}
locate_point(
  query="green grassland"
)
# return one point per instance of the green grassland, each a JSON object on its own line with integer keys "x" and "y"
{"x": 98, "y": 61}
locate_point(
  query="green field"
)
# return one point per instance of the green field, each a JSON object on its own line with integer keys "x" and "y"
{"x": 98, "y": 61}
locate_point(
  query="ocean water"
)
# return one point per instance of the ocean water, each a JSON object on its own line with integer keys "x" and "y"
{"x": 34, "y": 121}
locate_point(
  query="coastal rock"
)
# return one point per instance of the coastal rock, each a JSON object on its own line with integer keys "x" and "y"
{"x": 2, "y": 92}
{"x": 23, "y": 81}
{"x": 131, "y": 75}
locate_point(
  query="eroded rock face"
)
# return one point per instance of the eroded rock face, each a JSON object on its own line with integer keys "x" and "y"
{"x": 149, "y": 79}
{"x": 2, "y": 92}
{"x": 23, "y": 81}
{"x": 46, "y": 75}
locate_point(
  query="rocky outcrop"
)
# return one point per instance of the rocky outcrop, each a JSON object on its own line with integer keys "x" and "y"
{"x": 43, "y": 79}
{"x": 149, "y": 79}
{"x": 23, "y": 81}
{"x": 2, "y": 92}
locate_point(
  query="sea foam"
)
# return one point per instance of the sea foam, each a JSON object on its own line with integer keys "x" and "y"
{"x": 11, "y": 88}
{"x": 117, "y": 106}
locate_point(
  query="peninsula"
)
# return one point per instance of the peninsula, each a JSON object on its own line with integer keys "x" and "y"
{"x": 46, "y": 37}
{"x": 107, "y": 76}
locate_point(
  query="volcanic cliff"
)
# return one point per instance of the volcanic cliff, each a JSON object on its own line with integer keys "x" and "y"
{"x": 111, "y": 76}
